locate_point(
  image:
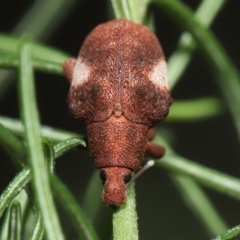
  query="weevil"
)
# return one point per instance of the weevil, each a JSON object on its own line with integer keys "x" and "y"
{"x": 119, "y": 89}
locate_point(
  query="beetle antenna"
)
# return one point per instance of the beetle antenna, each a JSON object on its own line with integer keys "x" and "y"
{"x": 149, "y": 164}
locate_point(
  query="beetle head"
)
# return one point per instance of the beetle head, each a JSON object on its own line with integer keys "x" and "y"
{"x": 115, "y": 181}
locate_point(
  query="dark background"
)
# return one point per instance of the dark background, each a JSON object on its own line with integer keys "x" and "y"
{"x": 212, "y": 142}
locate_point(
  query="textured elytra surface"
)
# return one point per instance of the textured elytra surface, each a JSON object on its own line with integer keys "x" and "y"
{"x": 121, "y": 143}
{"x": 119, "y": 89}
{"x": 158, "y": 75}
{"x": 121, "y": 57}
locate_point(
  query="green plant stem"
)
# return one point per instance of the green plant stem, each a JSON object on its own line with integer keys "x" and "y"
{"x": 121, "y": 9}
{"x": 231, "y": 234}
{"x": 16, "y": 127}
{"x": 12, "y": 146}
{"x": 15, "y": 222}
{"x": 180, "y": 59}
{"x": 200, "y": 205}
{"x": 30, "y": 118}
{"x": 130, "y": 9}
{"x": 65, "y": 198}
{"x": 38, "y": 230}
{"x": 195, "y": 109}
{"x": 174, "y": 163}
{"x": 49, "y": 153}
{"x": 22, "y": 178}
{"x": 42, "y": 17}
{"x": 12, "y": 61}
{"x": 66, "y": 145}
{"x": 10, "y": 45}
{"x": 73, "y": 210}
{"x": 125, "y": 219}
{"x": 79, "y": 221}
{"x": 138, "y": 10}
{"x": 92, "y": 198}
{"x": 23, "y": 200}
{"x": 218, "y": 60}
{"x": 14, "y": 187}
{"x": 211, "y": 178}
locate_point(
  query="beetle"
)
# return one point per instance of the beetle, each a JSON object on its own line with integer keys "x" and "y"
{"x": 119, "y": 89}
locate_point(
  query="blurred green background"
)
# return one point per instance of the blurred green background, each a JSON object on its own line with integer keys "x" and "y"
{"x": 211, "y": 141}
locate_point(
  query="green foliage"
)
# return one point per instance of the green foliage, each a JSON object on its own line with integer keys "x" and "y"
{"x": 34, "y": 148}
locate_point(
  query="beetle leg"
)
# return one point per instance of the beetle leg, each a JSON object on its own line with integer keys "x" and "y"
{"x": 68, "y": 68}
{"x": 151, "y": 134}
{"x": 154, "y": 150}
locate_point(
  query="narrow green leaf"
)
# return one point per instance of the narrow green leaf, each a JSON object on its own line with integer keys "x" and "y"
{"x": 35, "y": 150}
{"x": 105, "y": 231}
{"x": 138, "y": 10}
{"x": 12, "y": 61}
{"x": 38, "y": 229}
{"x": 16, "y": 127}
{"x": 66, "y": 145}
{"x": 22, "y": 198}
{"x": 49, "y": 153}
{"x": 209, "y": 177}
{"x": 92, "y": 202}
{"x": 125, "y": 218}
{"x": 195, "y": 109}
{"x": 72, "y": 210}
{"x": 15, "y": 222}
{"x": 9, "y": 44}
{"x": 121, "y": 9}
{"x": 231, "y": 234}
{"x": 177, "y": 164}
{"x": 13, "y": 147}
{"x": 13, "y": 188}
{"x": 37, "y": 22}
{"x": 217, "y": 58}
{"x": 180, "y": 59}
{"x": 43, "y": 18}
{"x": 130, "y": 9}
{"x": 65, "y": 198}
{"x": 201, "y": 206}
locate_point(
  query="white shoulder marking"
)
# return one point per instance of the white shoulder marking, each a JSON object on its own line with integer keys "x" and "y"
{"x": 81, "y": 73}
{"x": 158, "y": 75}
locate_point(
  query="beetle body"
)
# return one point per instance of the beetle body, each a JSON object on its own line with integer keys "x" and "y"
{"x": 119, "y": 89}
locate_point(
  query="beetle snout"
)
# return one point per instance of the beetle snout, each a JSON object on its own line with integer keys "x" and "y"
{"x": 115, "y": 180}
{"x": 114, "y": 199}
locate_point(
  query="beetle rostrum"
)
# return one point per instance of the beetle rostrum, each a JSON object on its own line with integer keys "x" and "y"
{"x": 119, "y": 89}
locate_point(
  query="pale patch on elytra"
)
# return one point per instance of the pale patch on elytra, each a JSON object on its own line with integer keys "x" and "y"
{"x": 158, "y": 75}
{"x": 81, "y": 72}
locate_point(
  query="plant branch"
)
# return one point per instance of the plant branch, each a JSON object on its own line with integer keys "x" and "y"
{"x": 12, "y": 61}
{"x": 121, "y": 9}
{"x": 195, "y": 109}
{"x": 178, "y": 62}
{"x": 30, "y": 118}
{"x": 209, "y": 177}
{"x": 231, "y": 234}
{"x": 201, "y": 206}
{"x": 217, "y": 58}
{"x": 15, "y": 222}
{"x": 10, "y": 45}
{"x": 76, "y": 215}
{"x": 72, "y": 209}
{"x": 16, "y": 127}
{"x": 125, "y": 219}
{"x": 14, "y": 187}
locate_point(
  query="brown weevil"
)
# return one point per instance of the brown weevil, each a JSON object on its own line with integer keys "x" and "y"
{"x": 119, "y": 89}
